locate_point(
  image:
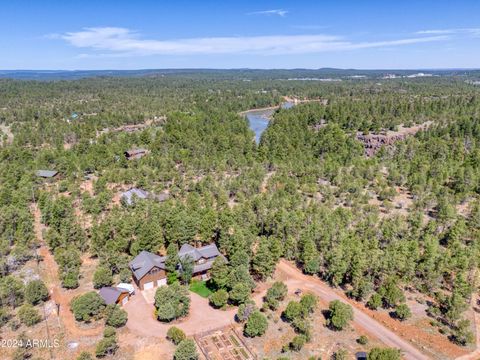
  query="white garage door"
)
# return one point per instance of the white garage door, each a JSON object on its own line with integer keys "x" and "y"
{"x": 162, "y": 282}
{"x": 125, "y": 300}
{"x": 148, "y": 285}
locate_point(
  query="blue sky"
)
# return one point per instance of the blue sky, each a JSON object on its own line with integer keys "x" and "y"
{"x": 127, "y": 34}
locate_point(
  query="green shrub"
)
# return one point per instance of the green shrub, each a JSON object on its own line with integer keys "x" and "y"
{"x": 84, "y": 356}
{"x": 115, "y": 316}
{"x": 219, "y": 298}
{"x": 292, "y": 311}
{"x": 106, "y": 346}
{"x": 11, "y": 291}
{"x": 308, "y": 302}
{"x": 102, "y": 277}
{"x": 256, "y": 324}
{"x": 391, "y": 294}
{"x": 172, "y": 302}
{"x": 125, "y": 275}
{"x": 375, "y": 301}
{"x": 239, "y": 293}
{"x": 298, "y": 342}
{"x": 362, "y": 340}
{"x": 302, "y": 326}
{"x": 70, "y": 279}
{"x": 462, "y": 334}
{"x": 341, "y": 354}
{"x": 402, "y": 312}
{"x": 340, "y": 314}
{"x": 28, "y": 315}
{"x": 109, "y": 331}
{"x": 87, "y": 306}
{"x": 36, "y": 291}
{"x": 4, "y": 316}
{"x": 275, "y": 294}
{"x": 186, "y": 350}
{"x": 176, "y": 335}
{"x": 384, "y": 354}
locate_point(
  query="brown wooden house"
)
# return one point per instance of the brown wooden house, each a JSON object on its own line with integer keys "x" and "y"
{"x": 148, "y": 270}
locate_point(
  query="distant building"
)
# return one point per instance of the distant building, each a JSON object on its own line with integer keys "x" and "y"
{"x": 139, "y": 194}
{"x": 46, "y": 173}
{"x": 73, "y": 116}
{"x": 114, "y": 295}
{"x": 148, "y": 269}
{"x": 129, "y": 195}
{"x": 134, "y": 154}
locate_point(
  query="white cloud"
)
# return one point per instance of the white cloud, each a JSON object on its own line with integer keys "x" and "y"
{"x": 465, "y": 31}
{"x": 277, "y": 12}
{"x": 121, "y": 41}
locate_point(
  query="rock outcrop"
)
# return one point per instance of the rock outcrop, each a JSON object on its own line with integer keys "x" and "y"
{"x": 374, "y": 142}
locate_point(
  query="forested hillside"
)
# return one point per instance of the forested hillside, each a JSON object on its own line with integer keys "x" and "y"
{"x": 406, "y": 218}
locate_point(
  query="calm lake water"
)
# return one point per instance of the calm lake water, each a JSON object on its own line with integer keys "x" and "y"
{"x": 259, "y": 119}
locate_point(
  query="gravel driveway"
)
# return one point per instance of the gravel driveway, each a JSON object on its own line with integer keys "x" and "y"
{"x": 202, "y": 317}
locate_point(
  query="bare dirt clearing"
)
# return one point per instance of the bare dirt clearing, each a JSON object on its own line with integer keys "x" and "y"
{"x": 5, "y": 129}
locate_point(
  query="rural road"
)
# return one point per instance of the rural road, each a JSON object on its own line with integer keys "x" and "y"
{"x": 296, "y": 279}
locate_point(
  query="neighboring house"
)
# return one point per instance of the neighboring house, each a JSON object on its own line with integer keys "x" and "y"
{"x": 114, "y": 295}
{"x": 132, "y": 193}
{"x": 149, "y": 269}
{"x": 135, "y": 153}
{"x": 46, "y": 173}
{"x": 203, "y": 257}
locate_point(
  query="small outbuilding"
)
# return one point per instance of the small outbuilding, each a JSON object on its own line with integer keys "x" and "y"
{"x": 128, "y": 287}
{"x": 46, "y": 173}
{"x": 114, "y": 295}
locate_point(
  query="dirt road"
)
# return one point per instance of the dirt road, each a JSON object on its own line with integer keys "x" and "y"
{"x": 49, "y": 273}
{"x": 295, "y": 279}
